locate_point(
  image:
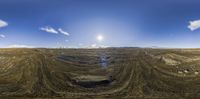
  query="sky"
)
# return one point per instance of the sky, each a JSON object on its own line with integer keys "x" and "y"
{"x": 118, "y": 23}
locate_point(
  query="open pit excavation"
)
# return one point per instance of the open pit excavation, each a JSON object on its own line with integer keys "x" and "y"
{"x": 100, "y": 73}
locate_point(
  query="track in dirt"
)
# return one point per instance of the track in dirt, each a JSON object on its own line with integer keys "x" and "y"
{"x": 100, "y": 73}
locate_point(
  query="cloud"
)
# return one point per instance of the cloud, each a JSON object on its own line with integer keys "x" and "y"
{"x": 49, "y": 30}
{"x": 63, "y": 32}
{"x": 3, "y": 23}
{"x": 20, "y": 46}
{"x": 97, "y": 46}
{"x": 194, "y": 25}
{"x": 2, "y": 36}
{"x": 104, "y": 46}
{"x": 55, "y": 31}
{"x": 80, "y": 44}
{"x": 93, "y": 46}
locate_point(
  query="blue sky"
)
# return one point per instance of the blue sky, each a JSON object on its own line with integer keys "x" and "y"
{"x": 77, "y": 23}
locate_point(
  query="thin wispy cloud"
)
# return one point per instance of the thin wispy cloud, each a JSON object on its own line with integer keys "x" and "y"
{"x": 49, "y": 30}
{"x": 97, "y": 46}
{"x": 2, "y": 36}
{"x": 93, "y": 46}
{"x": 80, "y": 44}
{"x": 54, "y": 31}
{"x": 194, "y": 25}
{"x": 63, "y": 32}
{"x": 3, "y": 23}
{"x": 20, "y": 46}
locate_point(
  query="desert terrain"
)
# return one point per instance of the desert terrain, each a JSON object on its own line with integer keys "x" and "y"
{"x": 100, "y": 73}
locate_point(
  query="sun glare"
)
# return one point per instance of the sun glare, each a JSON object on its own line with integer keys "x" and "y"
{"x": 100, "y": 38}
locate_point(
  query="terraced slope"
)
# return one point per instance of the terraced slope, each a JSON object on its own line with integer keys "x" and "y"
{"x": 100, "y": 73}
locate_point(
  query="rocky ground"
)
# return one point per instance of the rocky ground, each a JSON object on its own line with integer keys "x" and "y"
{"x": 100, "y": 73}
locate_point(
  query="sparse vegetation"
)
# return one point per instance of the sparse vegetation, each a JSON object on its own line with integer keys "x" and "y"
{"x": 78, "y": 73}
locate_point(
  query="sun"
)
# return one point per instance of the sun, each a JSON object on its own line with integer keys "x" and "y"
{"x": 100, "y": 37}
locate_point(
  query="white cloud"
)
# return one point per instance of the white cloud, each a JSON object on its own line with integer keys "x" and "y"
{"x": 49, "y": 29}
{"x": 72, "y": 46}
{"x": 80, "y": 44}
{"x": 20, "y": 46}
{"x": 63, "y": 32}
{"x": 94, "y": 46}
{"x": 104, "y": 46}
{"x": 2, "y": 36}
{"x": 55, "y": 31}
{"x": 3, "y": 23}
{"x": 194, "y": 25}
{"x": 97, "y": 46}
